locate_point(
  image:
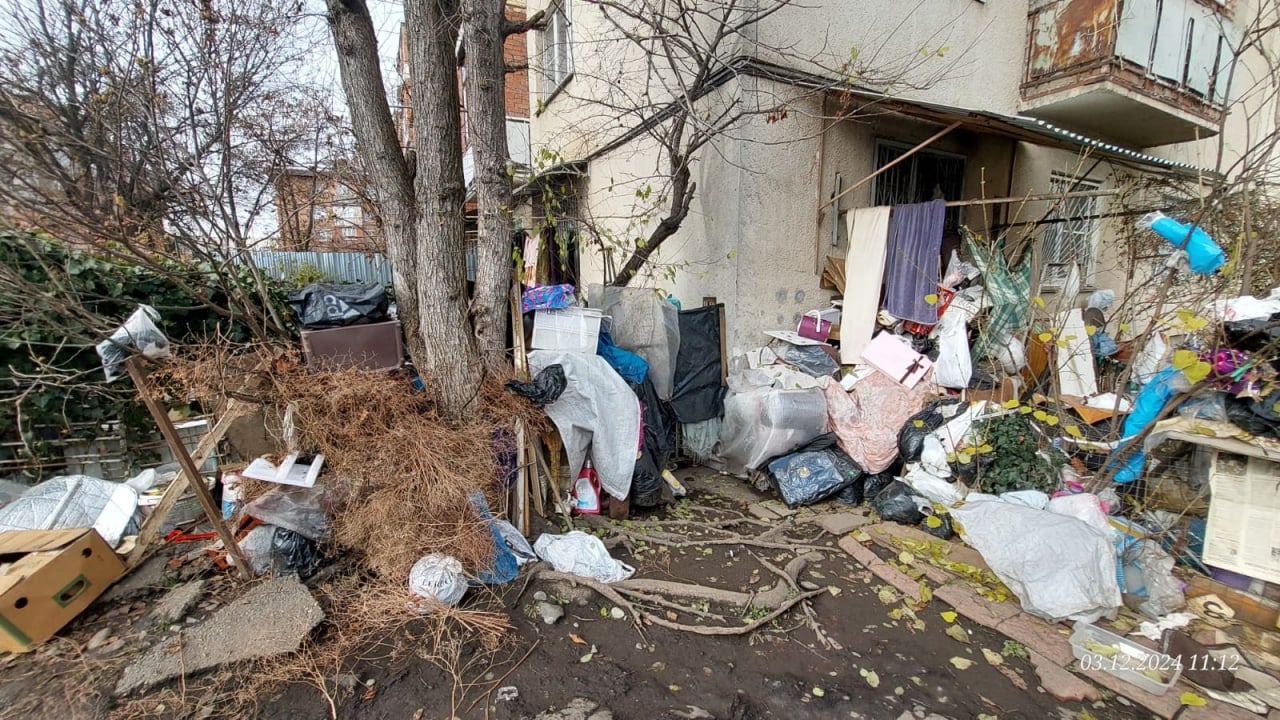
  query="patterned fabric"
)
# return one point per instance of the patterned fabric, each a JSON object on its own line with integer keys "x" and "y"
{"x": 1010, "y": 293}
{"x": 546, "y": 297}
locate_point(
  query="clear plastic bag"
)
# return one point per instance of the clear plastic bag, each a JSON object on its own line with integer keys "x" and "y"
{"x": 138, "y": 334}
{"x": 295, "y": 508}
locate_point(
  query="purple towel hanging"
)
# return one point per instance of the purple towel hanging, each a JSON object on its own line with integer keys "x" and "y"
{"x": 914, "y": 260}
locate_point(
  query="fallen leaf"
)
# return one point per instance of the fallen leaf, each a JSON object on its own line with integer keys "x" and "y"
{"x": 672, "y": 616}
{"x": 1197, "y": 372}
{"x": 887, "y": 595}
{"x": 961, "y": 663}
{"x": 818, "y": 692}
{"x": 369, "y": 694}
{"x": 872, "y": 678}
{"x": 860, "y": 536}
{"x": 835, "y": 591}
{"x": 949, "y": 615}
{"x": 926, "y": 593}
{"x": 576, "y": 639}
{"x": 957, "y": 633}
{"x": 993, "y": 657}
{"x": 1039, "y": 301}
{"x": 674, "y": 688}
{"x": 1124, "y": 327}
{"x": 1073, "y": 431}
{"x": 933, "y": 522}
{"x": 918, "y": 625}
{"x": 1192, "y": 699}
{"x": 931, "y": 298}
{"x": 588, "y": 657}
{"x": 906, "y": 557}
{"x": 918, "y": 423}
{"x": 1008, "y": 404}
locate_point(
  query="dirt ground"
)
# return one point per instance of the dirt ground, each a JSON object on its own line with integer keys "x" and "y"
{"x": 870, "y": 665}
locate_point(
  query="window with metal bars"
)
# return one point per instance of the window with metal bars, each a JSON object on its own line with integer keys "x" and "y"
{"x": 925, "y": 175}
{"x": 1071, "y": 236}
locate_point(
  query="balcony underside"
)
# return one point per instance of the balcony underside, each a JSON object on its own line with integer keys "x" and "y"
{"x": 1124, "y": 116}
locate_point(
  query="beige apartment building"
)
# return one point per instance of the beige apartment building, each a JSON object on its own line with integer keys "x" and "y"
{"x": 985, "y": 101}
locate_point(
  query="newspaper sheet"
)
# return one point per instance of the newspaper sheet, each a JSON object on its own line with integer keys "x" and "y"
{"x": 1243, "y": 533}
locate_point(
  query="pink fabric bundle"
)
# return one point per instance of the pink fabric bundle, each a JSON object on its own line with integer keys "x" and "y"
{"x": 867, "y": 419}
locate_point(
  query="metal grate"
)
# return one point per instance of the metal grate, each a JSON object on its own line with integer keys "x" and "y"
{"x": 1074, "y": 240}
{"x": 923, "y": 176}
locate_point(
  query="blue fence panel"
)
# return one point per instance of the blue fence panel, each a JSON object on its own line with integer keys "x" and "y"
{"x": 334, "y": 266}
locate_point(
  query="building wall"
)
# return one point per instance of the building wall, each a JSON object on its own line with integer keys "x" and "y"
{"x": 753, "y": 237}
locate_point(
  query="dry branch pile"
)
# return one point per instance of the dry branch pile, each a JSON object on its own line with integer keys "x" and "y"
{"x": 398, "y": 474}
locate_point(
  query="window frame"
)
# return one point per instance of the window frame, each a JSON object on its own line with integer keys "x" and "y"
{"x": 1055, "y": 233}
{"x": 557, "y": 69}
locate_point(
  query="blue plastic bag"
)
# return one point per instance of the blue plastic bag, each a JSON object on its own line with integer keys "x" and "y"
{"x": 1146, "y": 407}
{"x": 629, "y": 365}
{"x": 1203, "y": 254}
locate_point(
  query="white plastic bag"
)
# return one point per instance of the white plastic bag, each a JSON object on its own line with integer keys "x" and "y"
{"x": 1030, "y": 498}
{"x": 438, "y": 577}
{"x": 933, "y": 487}
{"x": 581, "y": 554}
{"x": 954, "y": 366}
{"x": 1011, "y": 353}
{"x": 1058, "y": 566}
{"x": 1084, "y": 507}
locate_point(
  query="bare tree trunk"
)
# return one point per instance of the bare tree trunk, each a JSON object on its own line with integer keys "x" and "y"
{"x": 483, "y": 35}
{"x": 424, "y": 244}
{"x": 441, "y": 271}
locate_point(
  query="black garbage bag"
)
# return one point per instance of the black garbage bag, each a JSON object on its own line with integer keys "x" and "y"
{"x": 809, "y": 477}
{"x": 327, "y": 305}
{"x": 937, "y": 524}
{"x": 648, "y": 489}
{"x": 912, "y": 434}
{"x": 1252, "y": 335}
{"x": 896, "y": 502}
{"x": 873, "y": 484}
{"x": 1242, "y": 412}
{"x": 294, "y": 552}
{"x": 545, "y": 388}
{"x": 810, "y": 359}
{"x": 851, "y": 495}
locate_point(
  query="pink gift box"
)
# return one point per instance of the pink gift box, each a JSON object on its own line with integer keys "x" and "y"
{"x": 893, "y": 356}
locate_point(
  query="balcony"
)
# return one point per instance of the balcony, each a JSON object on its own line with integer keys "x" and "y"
{"x": 1139, "y": 73}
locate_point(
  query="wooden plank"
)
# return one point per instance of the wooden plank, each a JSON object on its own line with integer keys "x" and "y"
{"x": 537, "y": 481}
{"x": 151, "y": 526}
{"x": 724, "y": 355}
{"x": 170, "y": 434}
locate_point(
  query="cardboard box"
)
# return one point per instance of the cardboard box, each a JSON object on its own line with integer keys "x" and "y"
{"x": 48, "y": 578}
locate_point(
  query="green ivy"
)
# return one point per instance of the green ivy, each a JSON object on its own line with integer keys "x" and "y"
{"x": 107, "y": 289}
{"x": 1017, "y": 460}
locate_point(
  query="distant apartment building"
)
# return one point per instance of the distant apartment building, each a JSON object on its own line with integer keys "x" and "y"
{"x": 326, "y": 210}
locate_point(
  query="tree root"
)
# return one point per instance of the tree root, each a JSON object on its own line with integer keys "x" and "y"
{"x": 771, "y": 598}
{"x": 640, "y": 614}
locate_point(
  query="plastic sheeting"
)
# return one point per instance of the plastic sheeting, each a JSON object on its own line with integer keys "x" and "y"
{"x": 764, "y": 422}
{"x": 294, "y": 508}
{"x": 439, "y": 578}
{"x": 598, "y": 414}
{"x": 1058, "y": 566}
{"x": 645, "y": 324}
{"x": 868, "y": 418}
{"x": 629, "y": 365}
{"x": 698, "y": 394}
{"x": 581, "y": 554}
{"x": 73, "y": 501}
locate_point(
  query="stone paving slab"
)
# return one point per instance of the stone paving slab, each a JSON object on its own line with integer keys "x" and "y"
{"x": 271, "y": 618}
